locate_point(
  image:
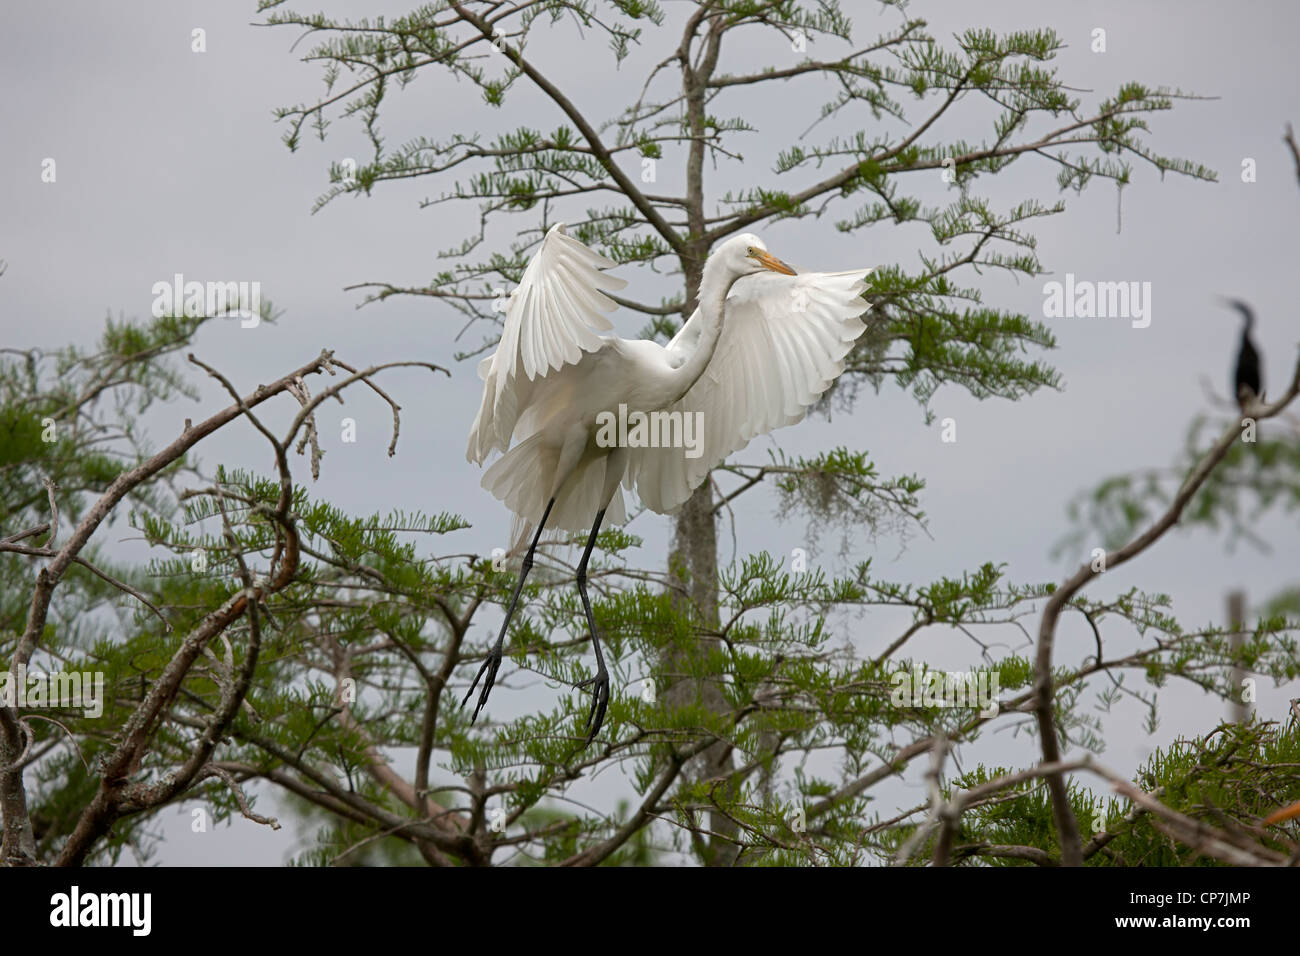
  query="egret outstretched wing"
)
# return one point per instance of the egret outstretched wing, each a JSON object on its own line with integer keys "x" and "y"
{"x": 783, "y": 342}
{"x": 553, "y": 316}
{"x": 766, "y": 346}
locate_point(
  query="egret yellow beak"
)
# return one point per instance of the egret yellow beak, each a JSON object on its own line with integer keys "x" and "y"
{"x": 769, "y": 261}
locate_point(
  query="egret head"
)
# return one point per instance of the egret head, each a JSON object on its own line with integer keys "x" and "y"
{"x": 746, "y": 254}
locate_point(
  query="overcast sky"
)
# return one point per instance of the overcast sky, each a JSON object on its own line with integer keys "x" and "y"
{"x": 169, "y": 161}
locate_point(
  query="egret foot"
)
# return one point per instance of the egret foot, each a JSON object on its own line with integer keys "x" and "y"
{"x": 599, "y": 702}
{"x": 490, "y": 665}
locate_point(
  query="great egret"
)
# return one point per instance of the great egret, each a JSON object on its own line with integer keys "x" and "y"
{"x": 763, "y": 345}
{"x": 1247, "y": 377}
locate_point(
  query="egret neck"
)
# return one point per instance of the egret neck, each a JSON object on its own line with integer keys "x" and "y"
{"x": 715, "y": 285}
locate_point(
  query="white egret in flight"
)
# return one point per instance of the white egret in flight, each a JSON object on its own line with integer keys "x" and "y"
{"x": 764, "y": 344}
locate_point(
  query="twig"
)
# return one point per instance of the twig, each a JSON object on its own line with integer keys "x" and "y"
{"x": 365, "y": 377}
{"x": 211, "y": 770}
{"x": 5, "y": 546}
{"x": 50, "y": 489}
{"x": 64, "y": 728}
{"x": 299, "y": 391}
{"x": 28, "y": 533}
{"x": 1289, "y": 139}
{"x": 938, "y": 745}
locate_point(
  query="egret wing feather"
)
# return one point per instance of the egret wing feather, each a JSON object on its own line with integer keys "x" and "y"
{"x": 784, "y": 341}
{"x": 685, "y": 341}
{"x": 552, "y": 318}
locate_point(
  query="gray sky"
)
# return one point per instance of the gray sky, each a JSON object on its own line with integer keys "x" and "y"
{"x": 169, "y": 161}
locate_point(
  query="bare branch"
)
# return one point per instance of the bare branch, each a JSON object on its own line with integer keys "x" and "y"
{"x": 102, "y": 575}
{"x": 224, "y": 775}
{"x": 1289, "y": 139}
{"x": 50, "y": 489}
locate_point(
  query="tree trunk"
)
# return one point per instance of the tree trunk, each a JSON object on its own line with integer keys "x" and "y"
{"x": 694, "y": 562}
{"x": 18, "y": 846}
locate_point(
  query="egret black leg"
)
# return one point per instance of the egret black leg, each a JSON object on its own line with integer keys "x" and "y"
{"x": 600, "y": 683}
{"x": 493, "y": 661}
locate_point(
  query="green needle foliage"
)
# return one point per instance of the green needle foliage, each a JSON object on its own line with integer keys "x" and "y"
{"x": 931, "y": 328}
{"x": 351, "y": 708}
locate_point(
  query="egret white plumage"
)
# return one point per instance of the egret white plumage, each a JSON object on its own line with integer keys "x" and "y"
{"x": 763, "y": 345}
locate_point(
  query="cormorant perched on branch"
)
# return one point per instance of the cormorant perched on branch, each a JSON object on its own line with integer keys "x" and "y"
{"x": 1248, "y": 373}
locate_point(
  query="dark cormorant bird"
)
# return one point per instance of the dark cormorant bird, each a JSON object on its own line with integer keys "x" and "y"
{"x": 1248, "y": 372}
